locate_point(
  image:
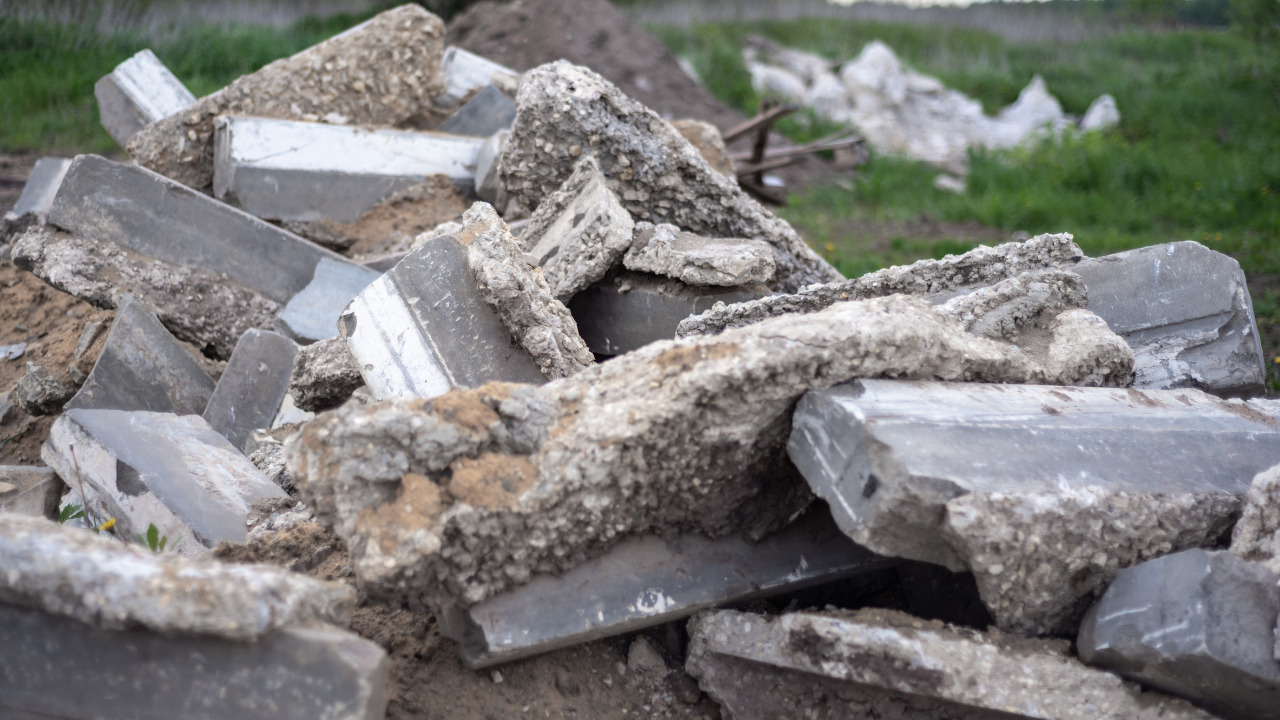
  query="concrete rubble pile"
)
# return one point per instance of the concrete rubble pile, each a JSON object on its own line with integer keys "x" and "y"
{"x": 607, "y": 391}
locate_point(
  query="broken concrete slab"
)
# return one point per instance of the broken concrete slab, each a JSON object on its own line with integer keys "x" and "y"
{"x": 488, "y": 184}
{"x": 33, "y": 491}
{"x": 142, "y": 367}
{"x": 254, "y": 383}
{"x": 709, "y": 143}
{"x": 42, "y": 185}
{"x": 466, "y": 72}
{"x": 112, "y": 585}
{"x": 483, "y": 115}
{"x": 567, "y": 112}
{"x": 290, "y": 674}
{"x": 380, "y": 72}
{"x": 324, "y": 374}
{"x": 1196, "y": 624}
{"x": 879, "y": 663}
{"x": 1256, "y": 536}
{"x": 696, "y": 260}
{"x": 138, "y": 92}
{"x": 579, "y": 232}
{"x": 313, "y": 313}
{"x": 41, "y": 392}
{"x": 1043, "y": 493}
{"x": 145, "y": 468}
{"x": 935, "y": 280}
{"x": 646, "y": 581}
{"x": 629, "y": 310}
{"x": 676, "y": 437}
{"x": 197, "y": 306}
{"x": 311, "y": 172}
{"x": 1186, "y": 311}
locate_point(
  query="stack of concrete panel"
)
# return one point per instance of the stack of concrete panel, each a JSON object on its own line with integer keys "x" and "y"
{"x": 140, "y": 91}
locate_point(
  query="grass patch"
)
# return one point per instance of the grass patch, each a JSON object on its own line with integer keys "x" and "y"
{"x": 47, "y": 71}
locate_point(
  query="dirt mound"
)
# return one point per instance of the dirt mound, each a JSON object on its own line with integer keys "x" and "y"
{"x": 527, "y": 33}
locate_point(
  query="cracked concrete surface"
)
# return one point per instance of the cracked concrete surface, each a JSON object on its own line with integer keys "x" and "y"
{"x": 695, "y": 260}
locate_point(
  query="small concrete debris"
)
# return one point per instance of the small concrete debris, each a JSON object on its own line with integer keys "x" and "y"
{"x": 1198, "y": 624}
{"x": 37, "y": 195}
{"x": 877, "y": 663}
{"x": 252, "y": 387}
{"x": 140, "y": 91}
{"x": 324, "y": 375}
{"x": 627, "y": 310}
{"x": 1103, "y": 114}
{"x": 12, "y": 352}
{"x": 142, "y": 367}
{"x": 33, "y": 491}
{"x": 709, "y": 143}
{"x": 646, "y": 581}
{"x": 42, "y": 392}
{"x": 961, "y": 475}
{"x": 490, "y": 111}
{"x": 695, "y": 260}
{"x": 466, "y": 72}
{"x": 145, "y": 468}
{"x": 329, "y": 172}
{"x": 381, "y": 72}
{"x": 1186, "y": 311}
{"x": 1256, "y": 536}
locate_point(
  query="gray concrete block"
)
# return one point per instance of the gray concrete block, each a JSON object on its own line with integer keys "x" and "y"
{"x": 483, "y": 115}
{"x": 1186, "y": 312}
{"x": 487, "y": 182}
{"x": 466, "y": 72}
{"x": 629, "y": 310}
{"x": 53, "y": 667}
{"x": 884, "y": 664}
{"x": 961, "y": 474}
{"x": 144, "y": 468}
{"x": 311, "y": 172}
{"x": 1198, "y": 624}
{"x": 324, "y": 374}
{"x": 696, "y": 260}
{"x": 313, "y": 313}
{"x": 422, "y": 329}
{"x": 31, "y": 491}
{"x": 142, "y": 367}
{"x": 42, "y": 186}
{"x": 646, "y": 581}
{"x": 252, "y": 386}
{"x": 140, "y": 91}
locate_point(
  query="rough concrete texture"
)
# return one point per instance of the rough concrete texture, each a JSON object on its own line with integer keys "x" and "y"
{"x": 111, "y": 585}
{"x": 518, "y": 292}
{"x": 1195, "y": 624}
{"x": 567, "y": 111}
{"x": 709, "y": 143}
{"x": 144, "y": 468}
{"x": 380, "y": 72}
{"x": 324, "y": 374}
{"x": 52, "y": 667}
{"x": 1256, "y": 536}
{"x": 40, "y": 392}
{"x": 1043, "y": 493}
{"x": 579, "y": 232}
{"x": 938, "y": 280}
{"x": 33, "y": 491}
{"x": 474, "y": 491}
{"x": 665, "y": 250}
{"x": 885, "y": 664}
{"x": 200, "y": 307}
{"x": 1186, "y": 311}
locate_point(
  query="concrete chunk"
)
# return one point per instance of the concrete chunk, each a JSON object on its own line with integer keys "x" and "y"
{"x": 313, "y": 313}
{"x": 483, "y": 115}
{"x": 292, "y": 674}
{"x": 709, "y": 143}
{"x": 579, "y": 232}
{"x": 380, "y": 72}
{"x": 464, "y": 73}
{"x": 646, "y": 581}
{"x": 33, "y": 491}
{"x": 488, "y": 184}
{"x": 1186, "y": 311}
{"x": 473, "y": 492}
{"x": 140, "y": 91}
{"x": 566, "y": 112}
{"x": 883, "y": 664}
{"x": 1256, "y": 536}
{"x": 324, "y": 374}
{"x": 254, "y": 383}
{"x": 310, "y": 172}
{"x": 935, "y": 280}
{"x": 113, "y": 585}
{"x": 665, "y": 250}
{"x": 145, "y": 468}
{"x": 963, "y": 475}
{"x": 1197, "y": 624}
{"x": 37, "y": 195}
{"x": 629, "y": 310}
{"x": 142, "y": 367}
